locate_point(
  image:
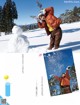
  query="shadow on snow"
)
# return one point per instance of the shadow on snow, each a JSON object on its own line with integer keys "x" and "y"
{"x": 71, "y": 30}
{"x": 73, "y": 45}
{"x": 35, "y": 46}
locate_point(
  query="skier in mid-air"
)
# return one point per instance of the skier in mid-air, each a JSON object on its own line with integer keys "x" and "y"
{"x": 47, "y": 20}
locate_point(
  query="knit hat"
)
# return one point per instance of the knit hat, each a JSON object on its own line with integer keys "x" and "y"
{"x": 42, "y": 12}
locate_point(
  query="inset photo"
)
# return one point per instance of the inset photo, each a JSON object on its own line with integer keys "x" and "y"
{"x": 61, "y": 72}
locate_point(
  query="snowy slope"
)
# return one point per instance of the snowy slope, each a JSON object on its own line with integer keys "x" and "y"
{"x": 39, "y": 41}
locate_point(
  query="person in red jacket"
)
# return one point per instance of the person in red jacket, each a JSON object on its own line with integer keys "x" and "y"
{"x": 51, "y": 25}
{"x": 64, "y": 82}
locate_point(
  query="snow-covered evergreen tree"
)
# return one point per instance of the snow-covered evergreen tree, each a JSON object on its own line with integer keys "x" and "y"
{"x": 9, "y": 14}
{"x": 1, "y": 18}
{"x": 71, "y": 15}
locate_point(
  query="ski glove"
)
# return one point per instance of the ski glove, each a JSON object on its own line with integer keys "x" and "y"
{"x": 68, "y": 68}
{"x": 38, "y": 20}
{"x": 42, "y": 11}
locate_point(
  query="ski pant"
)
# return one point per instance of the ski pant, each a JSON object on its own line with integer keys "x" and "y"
{"x": 65, "y": 89}
{"x": 55, "y": 38}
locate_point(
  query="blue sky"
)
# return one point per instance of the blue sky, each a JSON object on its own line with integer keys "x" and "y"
{"x": 57, "y": 62}
{"x": 27, "y": 8}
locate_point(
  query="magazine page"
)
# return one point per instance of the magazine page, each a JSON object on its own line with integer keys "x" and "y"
{"x": 23, "y": 80}
{"x": 39, "y": 52}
